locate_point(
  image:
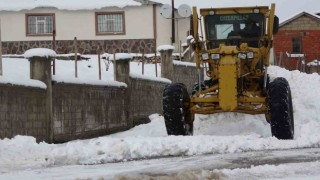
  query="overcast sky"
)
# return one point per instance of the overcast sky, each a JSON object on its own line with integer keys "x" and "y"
{"x": 285, "y": 9}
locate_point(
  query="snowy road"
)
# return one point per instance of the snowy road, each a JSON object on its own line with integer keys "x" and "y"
{"x": 294, "y": 163}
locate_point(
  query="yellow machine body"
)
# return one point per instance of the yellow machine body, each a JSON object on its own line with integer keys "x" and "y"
{"x": 237, "y": 68}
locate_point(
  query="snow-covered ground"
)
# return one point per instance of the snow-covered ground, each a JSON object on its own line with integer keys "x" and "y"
{"x": 214, "y": 134}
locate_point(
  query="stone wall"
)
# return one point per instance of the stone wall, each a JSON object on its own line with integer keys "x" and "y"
{"x": 84, "y": 111}
{"x": 146, "y": 99}
{"x": 84, "y": 46}
{"x": 23, "y": 112}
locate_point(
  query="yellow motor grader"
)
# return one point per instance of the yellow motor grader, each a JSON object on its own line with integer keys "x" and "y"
{"x": 234, "y": 53}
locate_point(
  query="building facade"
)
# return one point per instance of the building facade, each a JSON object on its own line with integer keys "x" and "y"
{"x": 135, "y": 28}
{"x": 298, "y": 37}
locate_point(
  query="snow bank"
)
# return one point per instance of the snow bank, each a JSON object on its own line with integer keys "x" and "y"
{"x": 18, "y": 5}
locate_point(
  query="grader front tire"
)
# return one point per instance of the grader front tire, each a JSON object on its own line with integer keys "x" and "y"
{"x": 280, "y": 109}
{"x": 176, "y": 110}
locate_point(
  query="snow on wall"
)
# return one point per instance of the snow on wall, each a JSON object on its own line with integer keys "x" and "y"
{"x": 40, "y": 52}
{"x": 18, "y": 5}
{"x": 165, "y": 47}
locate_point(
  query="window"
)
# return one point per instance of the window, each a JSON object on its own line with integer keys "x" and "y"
{"x": 296, "y": 44}
{"x": 40, "y": 24}
{"x": 110, "y": 23}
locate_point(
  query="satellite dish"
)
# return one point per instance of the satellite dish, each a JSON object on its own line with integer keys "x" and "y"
{"x": 166, "y": 11}
{"x": 184, "y": 10}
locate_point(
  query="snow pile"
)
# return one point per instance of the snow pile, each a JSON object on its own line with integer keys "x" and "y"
{"x": 120, "y": 56}
{"x": 17, "y": 71}
{"x": 39, "y": 52}
{"x": 18, "y": 5}
{"x": 165, "y": 47}
{"x": 214, "y": 134}
{"x": 314, "y": 63}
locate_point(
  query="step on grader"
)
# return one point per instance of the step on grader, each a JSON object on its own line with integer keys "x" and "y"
{"x": 234, "y": 53}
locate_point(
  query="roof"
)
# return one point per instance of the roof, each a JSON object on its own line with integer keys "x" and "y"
{"x": 315, "y": 17}
{"x": 18, "y": 5}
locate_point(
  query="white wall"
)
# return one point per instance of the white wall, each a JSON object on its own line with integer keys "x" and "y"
{"x": 139, "y": 24}
{"x": 164, "y": 30}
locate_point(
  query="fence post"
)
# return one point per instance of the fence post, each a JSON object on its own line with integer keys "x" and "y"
{"x": 166, "y": 61}
{"x": 156, "y": 63}
{"x": 54, "y": 48}
{"x": 99, "y": 62}
{"x": 75, "y": 57}
{"x": 121, "y": 67}
{"x": 143, "y": 61}
{"x": 40, "y": 69}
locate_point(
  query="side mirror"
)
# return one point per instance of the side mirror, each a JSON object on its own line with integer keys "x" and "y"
{"x": 275, "y": 24}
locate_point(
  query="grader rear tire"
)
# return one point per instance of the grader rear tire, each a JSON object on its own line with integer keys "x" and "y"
{"x": 280, "y": 109}
{"x": 176, "y": 110}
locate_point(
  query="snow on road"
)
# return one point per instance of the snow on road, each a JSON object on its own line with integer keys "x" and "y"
{"x": 214, "y": 134}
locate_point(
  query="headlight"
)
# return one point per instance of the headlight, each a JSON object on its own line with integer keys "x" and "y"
{"x": 205, "y": 56}
{"x": 215, "y": 56}
{"x": 250, "y": 55}
{"x": 256, "y": 10}
{"x": 242, "y": 56}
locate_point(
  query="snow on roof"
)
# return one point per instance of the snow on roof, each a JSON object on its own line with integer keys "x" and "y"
{"x": 17, "y": 5}
{"x": 40, "y": 52}
{"x": 165, "y": 47}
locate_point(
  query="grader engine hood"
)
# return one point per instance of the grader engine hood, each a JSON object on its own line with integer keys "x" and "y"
{"x": 227, "y": 75}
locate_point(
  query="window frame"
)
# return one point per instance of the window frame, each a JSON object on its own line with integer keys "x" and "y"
{"x": 299, "y": 39}
{"x": 110, "y": 13}
{"x": 40, "y": 14}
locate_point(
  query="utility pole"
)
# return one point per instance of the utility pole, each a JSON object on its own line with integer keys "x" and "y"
{"x": 173, "y": 39}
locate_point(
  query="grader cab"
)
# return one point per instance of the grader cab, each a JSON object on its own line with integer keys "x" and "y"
{"x": 233, "y": 50}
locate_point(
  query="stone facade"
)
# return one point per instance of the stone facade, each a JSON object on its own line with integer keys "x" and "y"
{"x": 84, "y": 46}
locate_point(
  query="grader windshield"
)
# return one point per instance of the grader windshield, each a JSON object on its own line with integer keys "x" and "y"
{"x": 233, "y": 29}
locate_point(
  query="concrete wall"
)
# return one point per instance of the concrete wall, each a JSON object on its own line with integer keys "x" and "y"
{"x": 23, "y": 111}
{"x": 186, "y": 74}
{"x": 83, "y": 111}
{"x": 146, "y": 99}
